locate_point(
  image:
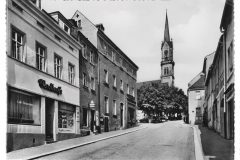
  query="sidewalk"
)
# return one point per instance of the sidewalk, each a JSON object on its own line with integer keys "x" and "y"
{"x": 214, "y": 146}
{"x": 39, "y": 151}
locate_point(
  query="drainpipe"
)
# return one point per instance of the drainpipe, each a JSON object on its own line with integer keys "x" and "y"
{"x": 99, "y": 100}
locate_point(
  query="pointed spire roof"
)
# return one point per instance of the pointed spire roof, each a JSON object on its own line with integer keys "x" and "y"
{"x": 166, "y": 31}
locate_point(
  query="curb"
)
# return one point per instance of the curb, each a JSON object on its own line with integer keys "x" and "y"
{"x": 197, "y": 143}
{"x": 79, "y": 145}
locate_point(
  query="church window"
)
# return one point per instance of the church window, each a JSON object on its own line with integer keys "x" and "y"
{"x": 166, "y": 71}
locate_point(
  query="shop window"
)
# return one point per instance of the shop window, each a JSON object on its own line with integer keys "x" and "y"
{"x": 106, "y": 104}
{"x": 17, "y": 44}
{"x": 66, "y": 116}
{"x": 40, "y": 57}
{"x": 23, "y": 108}
{"x": 57, "y": 66}
{"x": 71, "y": 73}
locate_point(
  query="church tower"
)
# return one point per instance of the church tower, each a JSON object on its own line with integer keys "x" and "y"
{"x": 167, "y": 63}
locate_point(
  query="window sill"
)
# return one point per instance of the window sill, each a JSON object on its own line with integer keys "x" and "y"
{"x": 121, "y": 91}
{"x": 107, "y": 114}
{"x": 93, "y": 91}
{"x": 85, "y": 87}
{"x": 106, "y": 84}
{"x": 114, "y": 88}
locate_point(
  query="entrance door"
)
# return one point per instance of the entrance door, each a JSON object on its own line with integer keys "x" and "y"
{"x": 49, "y": 115}
{"x": 121, "y": 114}
{"x": 231, "y": 118}
{"x": 106, "y": 127}
{"x": 92, "y": 120}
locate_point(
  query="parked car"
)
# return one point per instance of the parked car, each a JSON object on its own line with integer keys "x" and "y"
{"x": 144, "y": 120}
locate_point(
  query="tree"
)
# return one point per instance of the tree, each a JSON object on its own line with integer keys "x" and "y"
{"x": 156, "y": 99}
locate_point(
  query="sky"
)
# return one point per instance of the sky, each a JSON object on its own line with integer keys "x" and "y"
{"x": 137, "y": 27}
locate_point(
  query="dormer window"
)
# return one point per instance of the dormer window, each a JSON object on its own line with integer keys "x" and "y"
{"x": 79, "y": 23}
{"x": 37, "y": 3}
{"x": 66, "y": 28}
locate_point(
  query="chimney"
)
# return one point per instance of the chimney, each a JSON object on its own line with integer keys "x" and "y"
{"x": 100, "y": 26}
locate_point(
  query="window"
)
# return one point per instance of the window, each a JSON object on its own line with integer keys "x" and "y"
{"x": 71, "y": 73}
{"x": 66, "y": 28}
{"x": 128, "y": 91}
{"x": 91, "y": 56}
{"x": 17, "y": 44}
{"x": 114, "y": 81}
{"x": 57, "y": 66}
{"x": 66, "y": 116}
{"x": 40, "y": 57}
{"x": 106, "y": 104}
{"x": 37, "y": 3}
{"x": 198, "y": 95}
{"x": 84, "y": 51}
{"x": 121, "y": 85}
{"x": 114, "y": 107}
{"x": 17, "y": 6}
{"x": 84, "y": 79}
{"x": 133, "y": 92}
{"x": 23, "y": 108}
{"x": 57, "y": 38}
{"x": 92, "y": 83}
{"x": 230, "y": 59}
{"x": 40, "y": 25}
{"x": 166, "y": 72}
{"x": 113, "y": 56}
{"x": 106, "y": 76}
{"x": 71, "y": 48}
{"x": 79, "y": 23}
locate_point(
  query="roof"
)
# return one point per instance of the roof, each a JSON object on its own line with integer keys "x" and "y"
{"x": 118, "y": 49}
{"x": 227, "y": 14}
{"x": 166, "y": 30}
{"x": 197, "y": 82}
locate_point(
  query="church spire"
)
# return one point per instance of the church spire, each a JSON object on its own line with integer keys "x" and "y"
{"x": 166, "y": 31}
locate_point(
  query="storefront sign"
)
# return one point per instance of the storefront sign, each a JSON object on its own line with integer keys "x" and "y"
{"x": 50, "y": 87}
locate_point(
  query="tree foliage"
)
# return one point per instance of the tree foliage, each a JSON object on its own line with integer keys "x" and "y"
{"x": 156, "y": 98}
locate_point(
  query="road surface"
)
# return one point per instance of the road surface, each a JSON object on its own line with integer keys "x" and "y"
{"x": 172, "y": 140}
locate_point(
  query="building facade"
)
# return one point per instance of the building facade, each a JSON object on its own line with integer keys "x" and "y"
{"x": 167, "y": 62}
{"x": 196, "y": 95}
{"x": 117, "y": 78}
{"x": 42, "y": 81}
{"x": 219, "y": 84}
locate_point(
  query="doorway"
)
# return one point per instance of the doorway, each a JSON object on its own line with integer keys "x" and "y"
{"x": 92, "y": 120}
{"x": 121, "y": 114}
{"x": 49, "y": 117}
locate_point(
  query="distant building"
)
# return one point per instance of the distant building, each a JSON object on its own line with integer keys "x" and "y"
{"x": 196, "y": 99}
